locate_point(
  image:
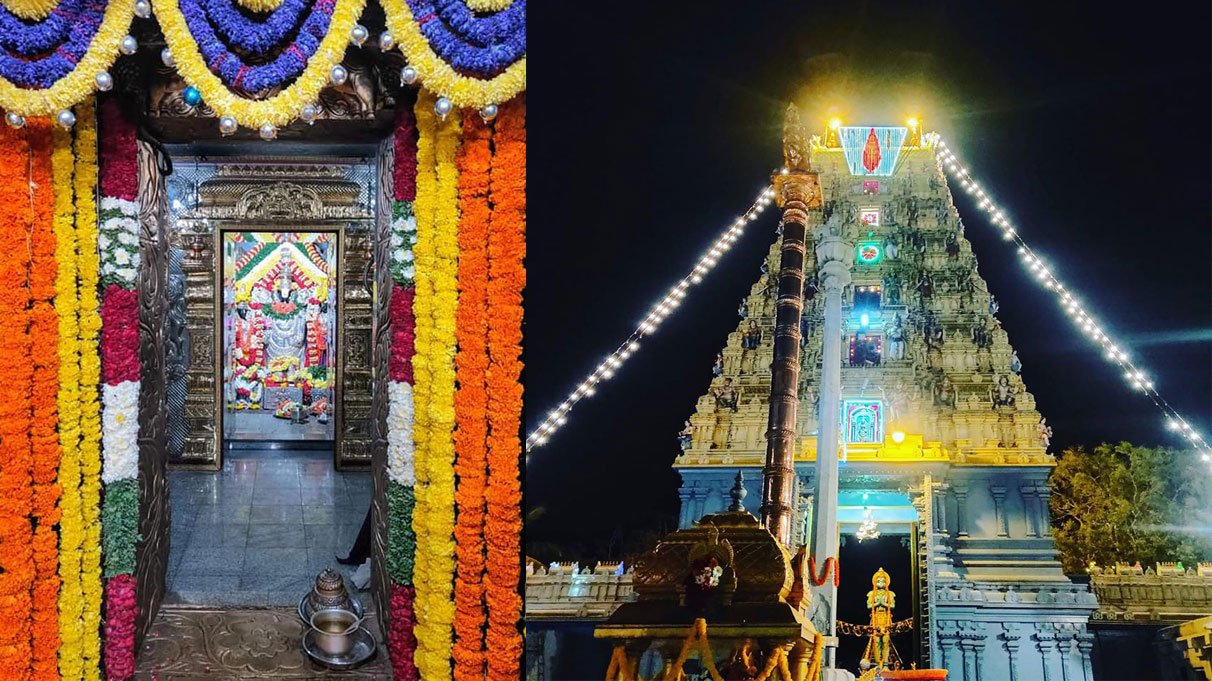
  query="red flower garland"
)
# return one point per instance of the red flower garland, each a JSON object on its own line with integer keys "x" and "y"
{"x": 404, "y": 173}
{"x": 120, "y": 611}
{"x": 119, "y": 154}
{"x": 119, "y": 335}
{"x": 403, "y": 334}
{"x": 471, "y": 399}
{"x": 401, "y": 643}
{"x": 507, "y": 279}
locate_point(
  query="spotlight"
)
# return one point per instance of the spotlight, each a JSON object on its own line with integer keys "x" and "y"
{"x": 898, "y": 436}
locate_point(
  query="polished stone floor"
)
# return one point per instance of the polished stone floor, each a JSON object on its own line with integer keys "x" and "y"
{"x": 258, "y": 532}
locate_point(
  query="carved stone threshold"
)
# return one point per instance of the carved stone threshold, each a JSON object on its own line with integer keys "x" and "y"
{"x": 222, "y": 645}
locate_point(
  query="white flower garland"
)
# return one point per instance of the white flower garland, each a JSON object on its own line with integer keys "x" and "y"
{"x": 118, "y": 241}
{"x": 120, "y": 431}
{"x": 400, "y": 447}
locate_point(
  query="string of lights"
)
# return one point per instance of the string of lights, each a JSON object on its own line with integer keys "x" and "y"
{"x": 656, "y": 315}
{"x": 1069, "y": 301}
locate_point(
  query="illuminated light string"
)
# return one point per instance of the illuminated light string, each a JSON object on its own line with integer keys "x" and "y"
{"x": 1134, "y": 375}
{"x": 659, "y": 312}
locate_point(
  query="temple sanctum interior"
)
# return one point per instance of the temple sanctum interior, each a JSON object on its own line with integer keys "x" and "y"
{"x": 270, "y": 484}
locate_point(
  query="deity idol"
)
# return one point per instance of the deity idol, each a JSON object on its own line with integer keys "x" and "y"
{"x": 284, "y": 340}
{"x": 317, "y": 336}
{"x": 896, "y": 340}
{"x": 880, "y": 601}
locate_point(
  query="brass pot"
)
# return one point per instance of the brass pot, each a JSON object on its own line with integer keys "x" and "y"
{"x": 333, "y": 627}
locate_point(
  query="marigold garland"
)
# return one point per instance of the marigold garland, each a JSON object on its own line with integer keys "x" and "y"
{"x": 31, "y": 10}
{"x": 90, "y": 377}
{"x": 279, "y": 109}
{"x": 17, "y": 567}
{"x": 506, "y": 280}
{"x": 433, "y": 366}
{"x": 438, "y": 76}
{"x": 471, "y": 399}
{"x": 71, "y": 523}
{"x": 488, "y": 5}
{"x": 44, "y": 355}
{"x": 75, "y": 87}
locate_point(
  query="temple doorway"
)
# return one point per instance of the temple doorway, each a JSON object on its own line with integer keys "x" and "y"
{"x": 270, "y": 278}
{"x": 279, "y": 313}
{"x": 891, "y": 551}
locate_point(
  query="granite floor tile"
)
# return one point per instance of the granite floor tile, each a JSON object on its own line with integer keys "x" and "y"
{"x": 200, "y": 561}
{"x": 208, "y": 535}
{"x": 277, "y": 497}
{"x": 279, "y": 515}
{"x": 319, "y": 514}
{"x": 276, "y": 561}
{"x": 275, "y": 536}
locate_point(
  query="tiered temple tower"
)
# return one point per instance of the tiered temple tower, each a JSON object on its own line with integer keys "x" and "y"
{"x": 940, "y": 439}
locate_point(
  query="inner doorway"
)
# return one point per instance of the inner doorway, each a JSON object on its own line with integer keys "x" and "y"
{"x": 279, "y": 314}
{"x": 892, "y": 551}
{"x": 269, "y": 474}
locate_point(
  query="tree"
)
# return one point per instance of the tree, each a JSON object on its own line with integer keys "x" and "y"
{"x": 1128, "y": 503}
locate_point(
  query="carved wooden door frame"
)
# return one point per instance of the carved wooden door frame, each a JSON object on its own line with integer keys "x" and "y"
{"x": 154, "y": 508}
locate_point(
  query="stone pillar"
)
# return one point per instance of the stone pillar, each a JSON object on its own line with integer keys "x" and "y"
{"x": 797, "y": 190}
{"x": 1063, "y": 646}
{"x": 833, "y": 270}
{"x": 684, "y": 512}
{"x": 1046, "y": 643}
{"x": 999, "y": 510}
{"x": 1011, "y": 642}
{"x": 940, "y": 508}
{"x": 1029, "y": 509}
{"x": 1085, "y": 645}
{"x": 961, "y": 509}
{"x": 1045, "y": 515}
{"x": 201, "y": 401}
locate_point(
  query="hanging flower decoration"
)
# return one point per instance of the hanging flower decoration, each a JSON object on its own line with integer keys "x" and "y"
{"x": 466, "y": 57}
{"x": 52, "y": 62}
{"x": 192, "y": 30}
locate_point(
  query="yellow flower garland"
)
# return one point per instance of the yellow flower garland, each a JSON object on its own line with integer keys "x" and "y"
{"x": 488, "y": 5}
{"x": 81, "y": 82}
{"x": 89, "y": 264}
{"x": 259, "y": 5}
{"x": 31, "y": 10}
{"x": 436, "y": 255}
{"x": 71, "y": 525}
{"x": 279, "y": 109}
{"x": 438, "y": 76}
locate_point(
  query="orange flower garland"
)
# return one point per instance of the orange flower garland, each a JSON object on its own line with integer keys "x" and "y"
{"x": 44, "y": 355}
{"x": 507, "y": 279}
{"x": 471, "y": 400}
{"x": 16, "y": 537}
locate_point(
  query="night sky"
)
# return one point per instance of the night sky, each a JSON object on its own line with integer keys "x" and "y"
{"x": 651, "y": 126}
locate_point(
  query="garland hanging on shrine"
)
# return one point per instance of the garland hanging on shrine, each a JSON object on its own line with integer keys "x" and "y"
{"x": 506, "y": 280}
{"x": 52, "y": 62}
{"x": 437, "y": 251}
{"x": 17, "y": 566}
{"x": 467, "y": 57}
{"x": 208, "y": 65}
{"x": 118, "y": 245}
{"x": 401, "y": 498}
{"x": 471, "y": 399}
{"x": 44, "y": 436}
{"x": 899, "y": 627}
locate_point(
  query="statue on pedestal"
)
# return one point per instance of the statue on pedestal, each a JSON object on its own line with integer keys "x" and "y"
{"x": 726, "y": 396}
{"x": 1003, "y": 393}
{"x": 896, "y": 340}
{"x": 880, "y": 654}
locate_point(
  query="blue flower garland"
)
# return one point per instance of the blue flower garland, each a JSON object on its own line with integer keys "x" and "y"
{"x": 486, "y": 30}
{"x": 232, "y": 70}
{"x": 257, "y": 37}
{"x": 45, "y": 72}
{"x": 26, "y": 39}
{"x": 459, "y": 52}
